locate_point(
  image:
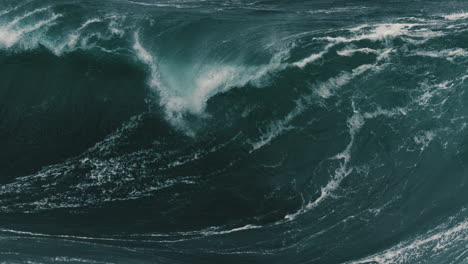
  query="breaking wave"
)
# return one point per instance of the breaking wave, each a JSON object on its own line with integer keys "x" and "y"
{"x": 238, "y": 131}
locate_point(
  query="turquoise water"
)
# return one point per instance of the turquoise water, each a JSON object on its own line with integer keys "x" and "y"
{"x": 233, "y": 131}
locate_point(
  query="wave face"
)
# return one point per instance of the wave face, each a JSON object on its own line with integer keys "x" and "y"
{"x": 233, "y": 131}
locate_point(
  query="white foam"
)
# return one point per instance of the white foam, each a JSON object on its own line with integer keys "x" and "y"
{"x": 18, "y": 19}
{"x": 89, "y": 22}
{"x": 210, "y": 231}
{"x": 359, "y": 28}
{"x": 456, "y": 16}
{"x": 143, "y": 54}
{"x": 278, "y": 127}
{"x": 156, "y": 4}
{"x": 148, "y": 59}
{"x": 76, "y": 260}
{"x": 327, "y": 88}
{"x": 9, "y": 37}
{"x": 40, "y": 24}
{"x": 424, "y": 138}
{"x": 191, "y": 92}
{"x": 113, "y": 27}
{"x": 312, "y": 58}
{"x": 324, "y": 90}
{"x": 448, "y": 54}
{"x": 430, "y": 90}
{"x": 22, "y": 35}
{"x": 384, "y": 32}
{"x": 418, "y": 19}
{"x": 221, "y": 78}
{"x": 6, "y": 11}
{"x": 354, "y": 124}
{"x": 19, "y": 232}
{"x": 223, "y": 232}
{"x": 73, "y": 38}
{"x": 198, "y": 154}
{"x": 350, "y": 52}
{"x": 121, "y": 174}
{"x": 431, "y": 244}
{"x": 336, "y": 10}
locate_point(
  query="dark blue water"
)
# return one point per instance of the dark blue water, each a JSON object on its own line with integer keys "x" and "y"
{"x": 233, "y": 131}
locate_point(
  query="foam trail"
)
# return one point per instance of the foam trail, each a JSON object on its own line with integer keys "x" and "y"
{"x": 387, "y": 32}
{"x": 214, "y": 232}
{"x": 456, "y": 16}
{"x": 448, "y": 54}
{"x": 154, "y": 4}
{"x": 8, "y": 38}
{"x": 312, "y": 58}
{"x": 326, "y": 89}
{"x": 7, "y": 11}
{"x": 278, "y": 127}
{"x": 18, "y": 19}
{"x": 73, "y": 39}
{"x": 89, "y": 22}
{"x": 350, "y": 52}
{"x": 40, "y": 24}
{"x": 61, "y": 236}
{"x": 354, "y": 123}
{"x": 433, "y": 243}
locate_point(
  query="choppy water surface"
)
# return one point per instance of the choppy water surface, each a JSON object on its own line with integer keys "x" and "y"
{"x": 233, "y": 131}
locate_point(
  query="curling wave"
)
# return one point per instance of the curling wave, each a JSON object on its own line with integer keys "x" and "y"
{"x": 233, "y": 131}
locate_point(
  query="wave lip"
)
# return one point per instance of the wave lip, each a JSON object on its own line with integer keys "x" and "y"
{"x": 204, "y": 83}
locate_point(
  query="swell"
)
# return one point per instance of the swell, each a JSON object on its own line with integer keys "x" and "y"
{"x": 68, "y": 103}
{"x": 308, "y": 140}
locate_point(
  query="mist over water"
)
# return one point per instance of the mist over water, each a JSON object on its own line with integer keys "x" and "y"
{"x": 233, "y": 131}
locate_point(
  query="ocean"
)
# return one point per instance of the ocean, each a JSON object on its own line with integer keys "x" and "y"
{"x": 233, "y": 131}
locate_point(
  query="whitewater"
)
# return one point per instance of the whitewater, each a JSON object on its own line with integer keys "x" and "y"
{"x": 233, "y": 131}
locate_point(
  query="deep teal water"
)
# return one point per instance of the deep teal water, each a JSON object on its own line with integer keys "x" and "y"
{"x": 233, "y": 131}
